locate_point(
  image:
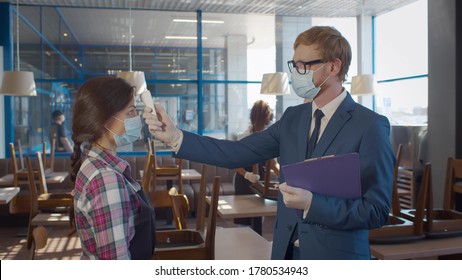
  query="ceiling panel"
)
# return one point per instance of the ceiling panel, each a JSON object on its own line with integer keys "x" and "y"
{"x": 318, "y": 8}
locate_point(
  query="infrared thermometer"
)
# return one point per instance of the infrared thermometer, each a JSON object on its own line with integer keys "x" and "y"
{"x": 146, "y": 98}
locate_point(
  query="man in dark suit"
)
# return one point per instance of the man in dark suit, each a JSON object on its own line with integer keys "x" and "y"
{"x": 310, "y": 225}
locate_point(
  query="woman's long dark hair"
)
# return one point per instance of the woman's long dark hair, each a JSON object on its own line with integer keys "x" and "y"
{"x": 95, "y": 103}
{"x": 260, "y": 115}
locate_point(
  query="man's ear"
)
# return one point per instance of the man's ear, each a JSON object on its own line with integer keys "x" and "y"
{"x": 335, "y": 66}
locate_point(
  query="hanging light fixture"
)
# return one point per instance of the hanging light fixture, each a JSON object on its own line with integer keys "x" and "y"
{"x": 275, "y": 84}
{"x": 18, "y": 83}
{"x": 134, "y": 78}
{"x": 363, "y": 85}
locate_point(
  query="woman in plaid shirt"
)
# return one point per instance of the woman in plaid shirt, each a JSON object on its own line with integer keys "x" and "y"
{"x": 114, "y": 217}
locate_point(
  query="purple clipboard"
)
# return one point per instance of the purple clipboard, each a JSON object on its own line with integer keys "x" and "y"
{"x": 332, "y": 175}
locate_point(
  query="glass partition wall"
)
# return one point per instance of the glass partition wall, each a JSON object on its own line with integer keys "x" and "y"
{"x": 66, "y": 46}
{"x": 209, "y": 85}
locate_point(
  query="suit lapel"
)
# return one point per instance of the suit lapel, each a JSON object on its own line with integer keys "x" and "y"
{"x": 338, "y": 120}
{"x": 304, "y": 128}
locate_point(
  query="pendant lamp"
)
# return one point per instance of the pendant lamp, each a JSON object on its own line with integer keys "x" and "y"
{"x": 18, "y": 83}
{"x": 363, "y": 85}
{"x": 275, "y": 84}
{"x": 134, "y": 78}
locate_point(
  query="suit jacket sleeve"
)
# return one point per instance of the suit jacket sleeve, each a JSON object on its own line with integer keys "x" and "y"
{"x": 252, "y": 149}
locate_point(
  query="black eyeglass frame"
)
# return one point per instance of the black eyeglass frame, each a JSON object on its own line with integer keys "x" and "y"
{"x": 292, "y": 64}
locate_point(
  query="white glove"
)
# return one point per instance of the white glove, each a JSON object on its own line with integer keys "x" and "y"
{"x": 296, "y": 198}
{"x": 162, "y": 127}
{"x": 253, "y": 178}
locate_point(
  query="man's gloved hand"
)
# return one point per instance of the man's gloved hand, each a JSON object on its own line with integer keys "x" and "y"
{"x": 253, "y": 178}
{"x": 162, "y": 127}
{"x": 296, "y": 198}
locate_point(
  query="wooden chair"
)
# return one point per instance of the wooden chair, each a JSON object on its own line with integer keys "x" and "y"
{"x": 443, "y": 222}
{"x": 18, "y": 167}
{"x": 190, "y": 244}
{"x": 36, "y": 234}
{"x": 401, "y": 230}
{"x": 180, "y": 206}
{"x": 395, "y": 203}
{"x": 266, "y": 188}
{"x": 50, "y": 167}
{"x": 453, "y": 182}
{"x": 169, "y": 173}
{"x": 46, "y": 199}
{"x": 19, "y": 172}
{"x": 201, "y": 203}
{"x": 162, "y": 198}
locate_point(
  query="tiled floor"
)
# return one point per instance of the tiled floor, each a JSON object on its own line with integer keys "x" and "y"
{"x": 60, "y": 246}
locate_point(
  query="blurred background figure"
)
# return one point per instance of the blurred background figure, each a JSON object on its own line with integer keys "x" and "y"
{"x": 261, "y": 116}
{"x": 59, "y": 132}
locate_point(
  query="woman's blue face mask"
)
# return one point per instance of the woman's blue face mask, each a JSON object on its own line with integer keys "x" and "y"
{"x": 132, "y": 131}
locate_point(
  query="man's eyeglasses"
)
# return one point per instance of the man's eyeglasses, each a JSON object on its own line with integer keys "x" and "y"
{"x": 300, "y": 66}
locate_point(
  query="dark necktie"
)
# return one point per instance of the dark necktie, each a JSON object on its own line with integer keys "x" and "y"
{"x": 318, "y": 114}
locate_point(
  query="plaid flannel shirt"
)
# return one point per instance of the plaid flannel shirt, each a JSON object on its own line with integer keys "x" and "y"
{"x": 105, "y": 206}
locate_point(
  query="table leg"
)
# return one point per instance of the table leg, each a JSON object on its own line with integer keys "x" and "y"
{"x": 257, "y": 224}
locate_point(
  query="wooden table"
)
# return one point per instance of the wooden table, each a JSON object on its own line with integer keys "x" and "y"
{"x": 241, "y": 243}
{"x": 51, "y": 178}
{"x": 425, "y": 248}
{"x": 186, "y": 174}
{"x": 246, "y": 206}
{"x": 7, "y": 194}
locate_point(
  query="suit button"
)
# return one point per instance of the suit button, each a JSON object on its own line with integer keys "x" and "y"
{"x": 289, "y": 227}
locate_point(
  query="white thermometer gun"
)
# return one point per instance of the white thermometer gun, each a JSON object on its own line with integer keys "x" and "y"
{"x": 146, "y": 98}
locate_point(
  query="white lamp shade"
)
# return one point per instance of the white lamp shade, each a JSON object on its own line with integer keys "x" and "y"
{"x": 363, "y": 85}
{"x": 275, "y": 84}
{"x": 18, "y": 83}
{"x": 134, "y": 78}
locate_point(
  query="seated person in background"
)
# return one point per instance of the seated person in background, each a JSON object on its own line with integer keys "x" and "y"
{"x": 260, "y": 117}
{"x": 60, "y": 132}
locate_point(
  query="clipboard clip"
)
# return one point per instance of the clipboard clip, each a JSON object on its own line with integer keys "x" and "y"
{"x": 316, "y": 158}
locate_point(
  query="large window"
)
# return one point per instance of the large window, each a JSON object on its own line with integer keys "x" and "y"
{"x": 402, "y": 64}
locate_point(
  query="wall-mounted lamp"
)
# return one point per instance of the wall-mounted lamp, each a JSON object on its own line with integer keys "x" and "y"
{"x": 363, "y": 85}
{"x": 275, "y": 84}
{"x": 18, "y": 83}
{"x": 134, "y": 78}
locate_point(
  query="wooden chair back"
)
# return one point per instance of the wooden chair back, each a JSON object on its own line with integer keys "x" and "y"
{"x": 420, "y": 210}
{"x": 49, "y": 165}
{"x": 180, "y": 206}
{"x": 201, "y": 204}
{"x": 147, "y": 173}
{"x": 395, "y": 203}
{"x": 453, "y": 183}
{"x": 41, "y": 173}
{"x": 212, "y": 219}
{"x": 52, "y": 154}
{"x": 166, "y": 171}
{"x": 20, "y": 156}
{"x": 15, "y": 166}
